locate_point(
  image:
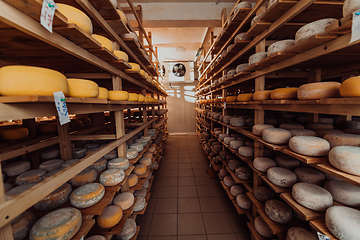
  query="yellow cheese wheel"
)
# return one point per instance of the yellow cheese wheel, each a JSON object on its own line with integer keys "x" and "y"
{"x": 262, "y": 95}
{"x": 47, "y": 127}
{"x": 223, "y": 99}
{"x": 133, "y": 180}
{"x": 124, "y": 200}
{"x": 121, "y": 55}
{"x": 141, "y": 98}
{"x": 122, "y": 16}
{"x": 140, "y": 169}
{"x": 284, "y": 93}
{"x": 76, "y": 16}
{"x": 105, "y": 42}
{"x": 13, "y": 133}
{"x": 142, "y": 73}
{"x": 134, "y": 68}
{"x": 133, "y": 97}
{"x": 245, "y": 97}
{"x": 118, "y": 95}
{"x": 231, "y": 99}
{"x": 32, "y": 176}
{"x": 350, "y": 87}
{"x": 55, "y": 199}
{"x": 82, "y": 88}
{"x": 22, "y": 224}
{"x": 61, "y": 224}
{"x": 319, "y": 90}
{"x": 86, "y": 176}
{"x": 103, "y": 93}
{"x": 25, "y": 80}
{"x": 147, "y": 99}
{"x": 87, "y": 195}
{"x": 110, "y": 217}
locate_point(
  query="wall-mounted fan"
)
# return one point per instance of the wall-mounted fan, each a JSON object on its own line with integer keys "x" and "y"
{"x": 179, "y": 70}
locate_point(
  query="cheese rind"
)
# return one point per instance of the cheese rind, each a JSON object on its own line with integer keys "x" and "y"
{"x": 309, "y": 146}
{"x": 112, "y": 177}
{"x": 124, "y": 200}
{"x": 262, "y": 95}
{"x": 128, "y": 231}
{"x": 346, "y": 158}
{"x": 12, "y": 193}
{"x": 87, "y": 195}
{"x": 105, "y": 42}
{"x": 284, "y": 93}
{"x": 16, "y": 168}
{"x": 257, "y": 129}
{"x": 351, "y": 86}
{"x": 140, "y": 204}
{"x": 110, "y": 217}
{"x": 262, "y": 164}
{"x": 263, "y": 193}
{"x": 343, "y": 222}
{"x": 262, "y": 228}
{"x": 319, "y": 90}
{"x": 118, "y": 95}
{"x": 76, "y": 16}
{"x": 278, "y": 211}
{"x": 313, "y": 28}
{"x": 99, "y": 165}
{"x": 86, "y": 176}
{"x": 103, "y": 93}
{"x": 344, "y": 193}
{"x": 243, "y": 201}
{"x": 287, "y": 162}
{"x": 297, "y": 233}
{"x": 121, "y": 55}
{"x": 342, "y": 139}
{"x": 276, "y": 135}
{"x": 228, "y": 181}
{"x": 83, "y": 88}
{"x": 245, "y": 97}
{"x": 32, "y": 176}
{"x": 309, "y": 175}
{"x": 55, "y": 199}
{"x": 281, "y": 177}
{"x": 120, "y": 163}
{"x": 140, "y": 169}
{"x": 133, "y": 180}
{"x": 312, "y": 196}
{"x": 13, "y": 133}
{"x": 51, "y": 165}
{"x": 22, "y": 224}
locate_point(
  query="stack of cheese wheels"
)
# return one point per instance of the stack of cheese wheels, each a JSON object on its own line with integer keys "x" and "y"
{"x": 245, "y": 97}
{"x": 350, "y": 87}
{"x": 313, "y": 28}
{"x": 346, "y": 158}
{"x": 119, "y": 163}
{"x": 118, "y": 95}
{"x": 76, "y": 16}
{"x": 112, "y": 177}
{"x": 82, "y": 88}
{"x": 86, "y": 176}
{"x": 103, "y": 93}
{"x": 13, "y": 133}
{"x": 16, "y": 168}
{"x": 319, "y": 90}
{"x": 262, "y": 95}
{"x": 309, "y": 146}
{"x": 133, "y": 97}
{"x": 124, "y": 200}
{"x": 32, "y": 176}
{"x": 121, "y": 55}
{"x": 25, "y": 80}
{"x": 22, "y": 224}
{"x": 312, "y": 196}
{"x": 110, "y": 217}
{"x": 87, "y": 195}
{"x": 343, "y": 222}
{"x": 55, "y": 199}
{"x": 57, "y": 224}
{"x": 284, "y": 93}
{"x": 140, "y": 169}
{"x": 104, "y": 42}
{"x": 135, "y": 68}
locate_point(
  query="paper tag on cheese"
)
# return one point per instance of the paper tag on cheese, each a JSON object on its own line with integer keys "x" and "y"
{"x": 224, "y": 105}
{"x": 355, "y": 28}
{"x": 61, "y": 108}
{"x": 322, "y": 236}
{"x": 47, "y": 14}
{"x": 227, "y": 130}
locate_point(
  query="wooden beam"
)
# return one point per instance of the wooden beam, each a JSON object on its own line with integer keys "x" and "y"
{"x": 178, "y": 23}
{"x": 6, "y": 230}
{"x": 93, "y": 137}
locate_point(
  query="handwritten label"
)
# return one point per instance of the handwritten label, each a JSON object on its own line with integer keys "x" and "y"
{"x": 227, "y": 130}
{"x": 224, "y": 105}
{"x": 355, "y": 28}
{"x": 47, "y": 14}
{"x": 322, "y": 236}
{"x": 61, "y": 108}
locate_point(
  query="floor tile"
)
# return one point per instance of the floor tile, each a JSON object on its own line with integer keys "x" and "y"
{"x": 200, "y": 172}
{"x": 192, "y": 237}
{"x": 170, "y": 173}
{"x": 243, "y": 236}
{"x": 166, "y": 205}
{"x": 151, "y": 206}
{"x": 238, "y": 222}
{"x": 185, "y": 173}
{"x": 167, "y": 192}
{"x": 199, "y": 165}
{"x": 169, "y": 182}
{"x": 184, "y": 166}
{"x": 187, "y": 191}
{"x": 190, "y": 224}
{"x": 162, "y": 238}
{"x": 211, "y": 204}
{"x": 188, "y": 205}
{"x": 170, "y": 166}
{"x": 206, "y": 191}
{"x": 217, "y": 223}
{"x": 186, "y": 181}
{"x": 163, "y": 224}
{"x": 203, "y": 181}
{"x": 144, "y": 221}
{"x": 222, "y": 237}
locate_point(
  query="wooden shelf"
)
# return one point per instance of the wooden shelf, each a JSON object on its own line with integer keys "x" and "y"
{"x": 328, "y": 168}
{"x": 85, "y": 228}
{"x": 275, "y": 227}
{"x": 275, "y": 188}
{"x": 342, "y": 26}
{"x": 239, "y": 210}
{"x": 117, "y": 229}
{"x": 227, "y": 190}
{"x": 254, "y": 233}
{"x": 139, "y": 185}
{"x": 256, "y": 202}
{"x": 319, "y": 226}
{"x": 305, "y": 159}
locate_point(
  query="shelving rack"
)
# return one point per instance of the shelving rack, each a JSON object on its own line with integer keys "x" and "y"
{"x": 76, "y": 54}
{"x": 328, "y": 56}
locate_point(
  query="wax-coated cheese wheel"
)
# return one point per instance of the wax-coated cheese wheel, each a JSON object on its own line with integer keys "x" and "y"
{"x": 342, "y": 139}
{"x": 120, "y": 163}
{"x": 262, "y": 95}
{"x": 61, "y": 224}
{"x": 133, "y": 180}
{"x": 118, "y": 95}
{"x": 87, "y": 195}
{"x": 281, "y": 177}
{"x": 122, "y": 16}
{"x": 13, "y": 133}
{"x": 19, "y": 80}
{"x": 278, "y": 211}
{"x": 302, "y": 132}
{"x": 246, "y": 151}
{"x": 284, "y": 93}
{"x": 280, "y": 46}
{"x": 135, "y": 68}
{"x": 350, "y": 87}
{"x": 346, "y": 158}
{"x": 309, "y": 175}
{"x": 312, "y": 196}
{"x": 105, "y": 42}
{"x": 133, "y": 97}
{"x": 51, "y": 165}
{"x": 110, "y": 217}
{"x": 16, "y": 168}
{"x": 128, "y": 231}
{"x": 297, "y": 233}
{"x": 12, "y": 193}
{"x": 262, "y": 227}
{"x": 231, "y": 99}
{"x": 289, "y": 126}
{"x": 103, "y": 93}
{"x": 287, "y": 162}
{"x": 99, "y": 165}
{"x": 245, "y": 97}
{"x": 313, "y": 28}
{"x": 228, "y": 181}
{"x": 140, "y": 204}
{"x": 32, "y": 176}
{"x": 343, "y": 222}
{"x": 262, "y": 164}
{"x": 243, "y": 201}
{"x": 257, "y": 129}
{"x": 319, "y": 90}
{"x": 263, "y": 193}
{"x": 124, "y": 200}
{"x": 140, "y": 169}
{"x": 276, "y": 135}
{"x": 82, "y": 88}
{"x": 22, "y": 224}
{"x": 344, "y": 193}
{"x": 121, "y": 55}
{"x": 86, "y": 176}
{"x": 112, "y": 177}
{"x": 309, "y": 146}
{"x": 55, "y": 199}
{"x": 76, "y": 16}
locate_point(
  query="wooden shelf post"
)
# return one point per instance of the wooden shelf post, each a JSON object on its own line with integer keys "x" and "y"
{"x": 143, "y": 92}
{"x": 119, "y": 119}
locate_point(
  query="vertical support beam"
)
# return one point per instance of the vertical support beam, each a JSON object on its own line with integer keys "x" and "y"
{"x": 143, "y": 92}
{"x": 34, "y": 157}
{"x": 314, "y": 76}
{"x": 150, "y": 43}
{"x": 5, "y": 231}
{"x": 64, "y": 141}
{"x": 119, "y": 119}
{"x": 141, "y": 34}
{"x": 153, "y": 111}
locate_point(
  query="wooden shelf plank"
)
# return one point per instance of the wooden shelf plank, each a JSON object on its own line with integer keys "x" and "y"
{"x": 227, "y": 190}
{"x": 104, "y": 54}
{"x": 120, "y": 64}
{"x": 139, "y": 185}
{"x": 311, "y": 42}
{"x": 241, "y": 14}
{"x": 275, "y": 188}
{"x": 239, "y": 210}
{"x": 85, "y": 228}
{"x": 248, "y": 187}
{"x": 342, "y": 26}
{"x": 328, "y": 168}
{"x": 319, "y": 226}
{"x": 303, "y": 158}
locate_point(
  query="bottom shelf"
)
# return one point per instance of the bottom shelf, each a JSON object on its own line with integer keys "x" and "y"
{"x": 85, "y": 228}
{"x": 319, "y": 226}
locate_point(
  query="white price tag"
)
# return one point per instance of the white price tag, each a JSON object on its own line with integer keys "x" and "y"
{"x": 82, "y": 238}
{"x": 322, "y": 236}
{"x": 227, "y": 130}
{"x": 61, "y": 108}
{"x": 224, "y": 105}
{"x": 355, "y": 28}
{"x": 47, "y": 14}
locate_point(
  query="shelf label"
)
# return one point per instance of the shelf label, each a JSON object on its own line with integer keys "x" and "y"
{"x": 47, "y": 14}
{"x": 322, "y": 236}
{"x": 82, "y": 238}
{"x": 224, "y": 105}
{"x": 227, "y": 130}
{"x": 355, "y": 28}
{"x": 61, "y": 108}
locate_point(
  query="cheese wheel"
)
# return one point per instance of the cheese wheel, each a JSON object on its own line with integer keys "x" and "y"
{"x": 316, "y": 126}
{"x": 132, "y": 154}
{"x": 245, "y": 97}
{"x": 350, "y": 87}
{"x": 346, "y": 158}
{"x": 276, "y": 135}
{"x": 111, "y": 155}
{"x": 141, "y": 98}
{"x": 133, "y": 180}
{"x": 312, "y": 196}
{"x": 246, "y": 151}
{"x": 7, "y": 187}
{"x": 262, "y": 227}
{"x": 228, "y": 181}
{"x": 343, "y": 222}
{"x": 140, "y": 169}
{"x": 135, "y": 68}
{"x": 76, "y": 16}
{"x": 140, "y": 204}
{"x": 257, "y": 129}
{"x": 287, "y": 162}
{"x": 262, "y": 95}
{"x": 146, "y": 184}
{"x": 16, "y": 168}
{"x": 257, "y": 57}
{"x": 319, "y": 90}
{"x": 227, "y": 140}
{"x": 13, "y": 133}
{"x": 32, "y": 176}
{"x": 309, "y": 146}
{"x": 344, "y": 193}
{"x": 119, "y": 163}
{"x": 83, "y": 88}
{"x": 51, "y": 165}
{"x": 278, "y": 211}
{"x": 133, "y": 97}
{"x": 124, "y": 200}
{"x": 309, "y": 175}
{"x": 279, "y": 46}
{"x": 87, "y": 195}
{"x": 263, "y": 193}
{"x": 122, "y": 16}
{"x": 313, "y": 28}
{"x": 284, "y": 93}
{"x": 323, "y": 132}
{"x": 141, "y": 193}
{"x": 61, "y": 224}
{"x": 223, "y": 172}
{"x": 231, "y": 99}
{"x": 241, "y": 67}
{"x": 78, "y": 153}
{"x": 237, "y": 121}
{"x": 118, "y": 95}
{"x": 289, "y": 126}
{"x": 243, "y": 201}
{"x": 342, "y": 139}
{"x": 236, "y": 190}
{"x": 96, "y": 237}
{"x": 302, "y": 132}
{"x": 48, "y": 127}
{"x": 12, "y": 193}
{"x": 128, "y": 231}
{"x": 146, "y": 161}
{"x": 233, "y": 164}
{"x": 99, "y": 165}
{"x": 222, "y": 136}
{"x": 242, "y": 173}
{"x": 110, "y": 217}
{"x": 121, "y": 55}
{"x": 103, "y": 93}
{"x": 112, "y": 177}
{"x": 22, "y": 224}
{"x": 297, "y": 233}
{"x": 55, "y": 199}
{"x": 281, "y": 177}
{"x": 104, "y": 42}
{"x": 69, "y": 162}
{"x": 86, "y": 176}
{"x": 235, "y": 144}
{"x": 262, "y": 164}
{"x": 19, "y": 80}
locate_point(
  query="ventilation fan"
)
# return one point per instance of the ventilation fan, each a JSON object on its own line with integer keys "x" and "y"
{"x": 179, "y": 70}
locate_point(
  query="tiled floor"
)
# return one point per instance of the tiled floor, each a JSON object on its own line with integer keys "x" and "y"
{"x": 185, "y": 204}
